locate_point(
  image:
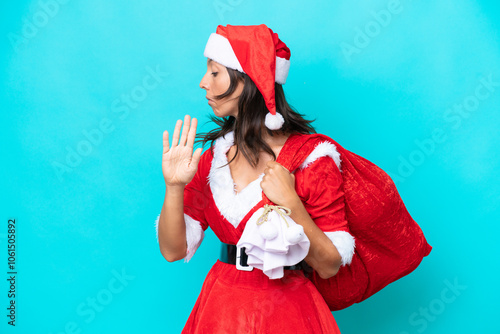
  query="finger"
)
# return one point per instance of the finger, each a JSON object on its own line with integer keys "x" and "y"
{"x": 278, "y": 165}
{"x": 192, "y": 133}
{"x": 272, "y": 164}
{"x": 175, "y": 138}
{"x": 185, "y": 130}
{"x": 165, "y": 142}
{"x": 196, "y": 156}
{"x": 262, "y": 183}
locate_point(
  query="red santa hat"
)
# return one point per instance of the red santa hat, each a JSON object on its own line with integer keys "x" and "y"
{"x": 257, "y": 51}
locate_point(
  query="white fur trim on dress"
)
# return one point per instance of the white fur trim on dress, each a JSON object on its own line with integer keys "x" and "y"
{"x": 219, "y": 49}
{"x": 233, "y": 206}
{"x": 322, "y": 149}
{"x": 194, "y": 235}
{"x": 345, "y": 244}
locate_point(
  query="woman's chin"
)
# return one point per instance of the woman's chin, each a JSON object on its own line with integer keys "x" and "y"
{"x": 218, "y": 113}
{"x": 221, "y": 114}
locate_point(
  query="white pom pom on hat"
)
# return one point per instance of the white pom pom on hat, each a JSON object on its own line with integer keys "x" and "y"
{"x": 257, "y": 51}
{"x": 274, "y": 122}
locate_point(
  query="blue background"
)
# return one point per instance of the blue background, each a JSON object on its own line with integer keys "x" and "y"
{"x": 381, "y": 86}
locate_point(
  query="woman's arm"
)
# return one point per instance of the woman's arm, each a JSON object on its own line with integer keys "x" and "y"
{"x": 323, "y": 255}
{"x": 171, "y": 226}
{"x": 279, "y": 186}
{"x": 180, "y": 170}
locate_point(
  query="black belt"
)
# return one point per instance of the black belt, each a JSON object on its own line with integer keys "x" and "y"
{"x": 228, "y": 255}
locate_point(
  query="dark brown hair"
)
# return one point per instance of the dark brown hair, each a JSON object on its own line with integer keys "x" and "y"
{"x": 249, "y": 125}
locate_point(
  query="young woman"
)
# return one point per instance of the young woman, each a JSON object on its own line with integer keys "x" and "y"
{"x": 277, "y": 196}
{"x": 225, "y": 187}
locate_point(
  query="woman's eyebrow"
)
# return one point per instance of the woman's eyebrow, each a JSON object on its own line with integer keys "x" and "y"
{"x": 212, "y": 63}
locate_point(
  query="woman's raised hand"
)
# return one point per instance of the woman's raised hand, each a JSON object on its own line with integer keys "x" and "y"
{"x": 179, "y": 164}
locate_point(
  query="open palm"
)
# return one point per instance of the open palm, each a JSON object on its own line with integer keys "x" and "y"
{"x": 179, "y": 165}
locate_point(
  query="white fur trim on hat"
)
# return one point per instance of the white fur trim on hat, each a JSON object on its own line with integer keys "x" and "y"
{"x": 282, "y": 68}
{"x": 219, "y": 49}
{"x": 274, "y": 122}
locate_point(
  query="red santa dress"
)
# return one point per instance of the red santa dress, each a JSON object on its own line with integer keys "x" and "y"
{"x": 236, "y": 301}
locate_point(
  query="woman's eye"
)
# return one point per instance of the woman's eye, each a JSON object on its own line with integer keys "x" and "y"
{"x": 214, "y": 73}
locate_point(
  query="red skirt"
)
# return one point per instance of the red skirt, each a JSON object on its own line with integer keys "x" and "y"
{"x": 235, "y": 301}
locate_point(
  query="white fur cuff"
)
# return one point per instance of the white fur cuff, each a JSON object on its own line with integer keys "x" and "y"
{"x": 194, "y": 235}
{"x": 344, "y": 242}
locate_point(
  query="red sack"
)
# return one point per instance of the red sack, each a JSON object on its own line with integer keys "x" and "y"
{"x": 389, "y": 243}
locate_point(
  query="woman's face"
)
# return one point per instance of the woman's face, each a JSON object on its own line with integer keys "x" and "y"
{"x": 216, "y": 81}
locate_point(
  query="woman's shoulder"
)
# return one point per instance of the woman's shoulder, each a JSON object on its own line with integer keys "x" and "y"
{"x": 320, "y": 171}
{"x": 306, "y": 149}
{"x": 315, "y": 147}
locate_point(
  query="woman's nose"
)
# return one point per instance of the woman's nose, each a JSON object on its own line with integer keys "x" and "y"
{"x": 203, "y": 83}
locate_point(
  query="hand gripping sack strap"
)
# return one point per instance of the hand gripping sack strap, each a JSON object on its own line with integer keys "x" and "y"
{"x": 389, "y": 243}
